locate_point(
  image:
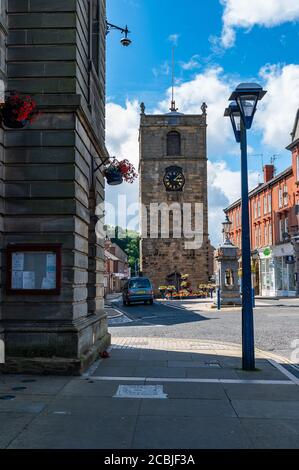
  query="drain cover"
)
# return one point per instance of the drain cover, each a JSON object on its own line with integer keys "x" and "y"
{"x": 7, "y": 397}
{"x": 140, "y": 391}
{"x": 16, "y": 389}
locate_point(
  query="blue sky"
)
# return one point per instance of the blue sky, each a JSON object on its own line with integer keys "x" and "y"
{"x": 219, "y": 43}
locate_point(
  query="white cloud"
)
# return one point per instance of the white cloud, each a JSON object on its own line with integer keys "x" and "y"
{"x": 122, "y": 126}
{"x": 163, "y": 69}
{"x": 214, "y": 88}
{"x": 192, "y": 64}
{"x": 247, "y": 13}
{"x": 276, "y": 113}
{"x": 174, "y": 39}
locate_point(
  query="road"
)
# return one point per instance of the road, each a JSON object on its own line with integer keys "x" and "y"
{"x": 276, "y": 323}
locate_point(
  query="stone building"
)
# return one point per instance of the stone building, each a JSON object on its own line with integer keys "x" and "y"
{"x": 173, "y": 170}
{"x": 55, "y": 52}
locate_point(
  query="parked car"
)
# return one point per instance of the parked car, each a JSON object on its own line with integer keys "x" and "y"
{"x": 138, "y": 289}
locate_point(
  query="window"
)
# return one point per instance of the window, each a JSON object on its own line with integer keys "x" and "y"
{"x": 265, "y": 235}
{"x": 286, "y": 225}
{"x": 256, "y": 236}
{"x": 281, "y": 229}
{"x": 95, "y": 32}
{"x": 297, "y": 167}
{"x": 265, "y": 204}
{"x": 259, "y": 207}
{"x": 260, "y": 236}
{"x": 280, "y": 197}
{"x": 139, "y": 284}
{"x": 270, "y": 234}
{"x": 285, "y": 195}
{"x": 269, "y": 203}
{"x": 173, "y": 144}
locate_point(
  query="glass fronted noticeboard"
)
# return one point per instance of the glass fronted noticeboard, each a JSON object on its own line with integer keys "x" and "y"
{"x": 33, "y": 269}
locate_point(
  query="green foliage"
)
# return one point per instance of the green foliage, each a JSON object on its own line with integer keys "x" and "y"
{"x": 128, "y": 241}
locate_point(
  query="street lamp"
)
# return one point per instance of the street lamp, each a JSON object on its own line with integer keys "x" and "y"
{"x": 125, "y": 41}
{"x": 226, "y": 230}
{"x": 241, "y": 112}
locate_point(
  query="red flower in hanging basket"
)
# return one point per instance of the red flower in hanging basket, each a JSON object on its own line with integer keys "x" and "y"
{"x": 122, "y": 169}
{"x": 18, "y": 110}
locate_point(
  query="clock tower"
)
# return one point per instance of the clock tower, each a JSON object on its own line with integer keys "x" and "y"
{"x": 173, "y": 195}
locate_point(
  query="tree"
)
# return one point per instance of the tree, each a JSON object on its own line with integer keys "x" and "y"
{"x": 128, "y": 241}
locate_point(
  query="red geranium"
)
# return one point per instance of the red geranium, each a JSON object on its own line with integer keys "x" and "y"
{"x": 20, "y": 108}
{"x": 124, "y": 167}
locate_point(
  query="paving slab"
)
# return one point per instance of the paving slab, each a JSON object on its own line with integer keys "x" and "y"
{"x": 272, "y": 434}
{"x": 179, "y": 432}
{"x": 25, "y": 404}
{"x": 187, "y": 407}
{"x": 211, "y": 373}
{"x": 92, "y": 406}
{"x": 269, "y": 409}
{"x": 11, "y": 425}
{"x": 169, "y": 372}
{"x": 73, "y": 431}
{"x": 193, "y": 390}
{"x": 88, "y": 388}
{"x": 33, "y": 385}
{"x": 262, "y": 392}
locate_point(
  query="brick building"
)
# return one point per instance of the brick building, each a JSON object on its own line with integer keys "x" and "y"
{"x": 116, "y": 268}
{"x": 54, "y": 51}
{"x": 273, "y": 208}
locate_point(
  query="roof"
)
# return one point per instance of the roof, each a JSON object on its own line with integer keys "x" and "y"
{"x": 261, "y": 187}
{"x": 109, "y": 255}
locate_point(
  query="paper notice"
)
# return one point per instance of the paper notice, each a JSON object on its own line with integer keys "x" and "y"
{"x": 28, "y": 280}
{"x": 17, "y": 280}
{"x": 51, "y": 263}
{"x": 18, "y": 261}
{"x": 49, "y": 283}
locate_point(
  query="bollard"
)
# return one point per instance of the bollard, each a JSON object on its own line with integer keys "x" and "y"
{"x": 253, "y": 298}
{"x": 218, "y": 300}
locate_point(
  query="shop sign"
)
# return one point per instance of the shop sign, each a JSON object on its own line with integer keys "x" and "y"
{"x": 267, "y": 252}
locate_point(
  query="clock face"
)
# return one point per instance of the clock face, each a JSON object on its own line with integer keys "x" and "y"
{"x": 174, "y": 179}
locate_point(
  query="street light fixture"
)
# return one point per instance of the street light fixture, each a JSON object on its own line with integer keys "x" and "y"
{"x": 241, "y": 112}
{"x": 234, "y": 114}
{"x": 125, "y": 41}
{"x": 226, "y": 230}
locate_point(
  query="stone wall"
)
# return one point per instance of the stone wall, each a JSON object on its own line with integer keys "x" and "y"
{"x": 3, "y": 34}
{"x": 161, "y": 257}
{"x": 51, "y": 188}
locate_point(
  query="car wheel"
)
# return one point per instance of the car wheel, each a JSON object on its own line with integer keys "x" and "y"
{"x": 151, "y": 302}
{"x": 128, "y": 303}
{"x": 124, "y": 302}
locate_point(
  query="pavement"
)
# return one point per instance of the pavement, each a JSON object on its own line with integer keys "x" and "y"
{"x": 156, "y": 393}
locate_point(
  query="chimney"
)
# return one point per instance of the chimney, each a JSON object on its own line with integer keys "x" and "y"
{"x": 268, "y": 173}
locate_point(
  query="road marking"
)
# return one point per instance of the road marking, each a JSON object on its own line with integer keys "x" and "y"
{"x": 189, "y": 380}
{"x": 284, "y": 371}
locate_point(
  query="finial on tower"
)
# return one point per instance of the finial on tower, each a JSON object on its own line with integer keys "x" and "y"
{"x": 204, "y": 108}
{"x": 172, "y": 107}
{"x": 142, "y": 108}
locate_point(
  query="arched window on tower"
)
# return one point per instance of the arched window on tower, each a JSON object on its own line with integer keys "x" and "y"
{"x": 173, "y": 144}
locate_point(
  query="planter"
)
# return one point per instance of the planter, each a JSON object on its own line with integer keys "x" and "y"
{"x": 10, "y": 122}
{"x": 114, "y": 178}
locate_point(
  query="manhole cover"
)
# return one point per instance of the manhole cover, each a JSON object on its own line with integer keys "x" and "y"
{"x": 16, "y": 389}
{"x": 140, "y": 391}
{"x": 212, "y": 364}
{"x": 7, "y": 397}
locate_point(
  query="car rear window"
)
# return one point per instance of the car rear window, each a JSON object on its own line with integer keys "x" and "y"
{"x": 139, "y": 284}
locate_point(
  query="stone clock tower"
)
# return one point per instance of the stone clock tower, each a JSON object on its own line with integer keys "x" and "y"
{"x": 173, "y": 175}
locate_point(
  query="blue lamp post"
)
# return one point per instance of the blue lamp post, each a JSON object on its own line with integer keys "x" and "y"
{"x": 241, "y": 112}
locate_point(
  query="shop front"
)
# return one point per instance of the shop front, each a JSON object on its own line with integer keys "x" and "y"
{"x": 277, "y": 271}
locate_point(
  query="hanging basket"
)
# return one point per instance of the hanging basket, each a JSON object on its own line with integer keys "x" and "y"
{"x": 113, "y": 178}
{"x": 9, "y": 120}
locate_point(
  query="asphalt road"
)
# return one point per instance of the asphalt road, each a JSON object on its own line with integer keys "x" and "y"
{"x": 276, "y": 323}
